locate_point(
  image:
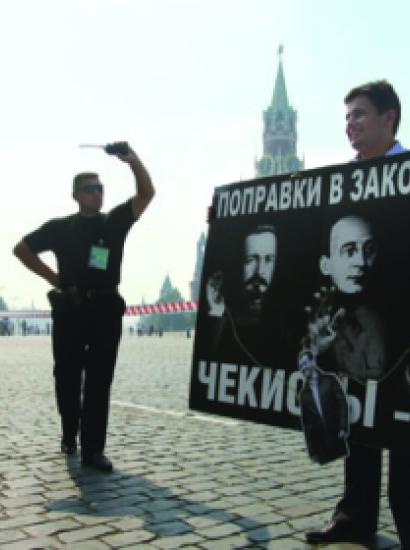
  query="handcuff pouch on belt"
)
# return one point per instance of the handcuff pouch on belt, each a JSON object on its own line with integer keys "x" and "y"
{"x": 62, "y": 301}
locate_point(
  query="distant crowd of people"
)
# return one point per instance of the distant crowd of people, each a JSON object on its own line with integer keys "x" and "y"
{"x": 23, "y": 328}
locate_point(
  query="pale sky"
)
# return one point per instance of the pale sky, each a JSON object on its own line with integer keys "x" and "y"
{"x": 185, "y": 82}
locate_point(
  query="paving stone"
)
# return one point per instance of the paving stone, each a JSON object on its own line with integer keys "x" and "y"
{"x": 228, "y": 543}
{"x": 88, "y": 545}
{"x": 219, "y": 531}
{"x": 179, "y": 541}
{"x": 42, "y": 543}
{"x": 289, "y": 544}
{"x": 92, "y": 520}
{"x": 20, "y": 521}
{"x": 128, "y": 538}
{"x": 169, "y": 528}
{"x": 51, "y": 527}
{"x": 9, "y": 535}
{"x": 160, "y": 505}
{"x": 24, "y": 511}
{"x": 252, "y": 510}
{"x": 20, "y": 502}
{"x": 126, "y": 524}
{"x": 84, "y": 533}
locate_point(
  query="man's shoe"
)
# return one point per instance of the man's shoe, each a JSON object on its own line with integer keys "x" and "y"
{"x": 68, "y": 448}
{"x": 98, "y": 461}
{"x": 338, "y": 531}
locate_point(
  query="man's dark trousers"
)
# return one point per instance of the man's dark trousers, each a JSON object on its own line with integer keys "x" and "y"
{"x": 85, "y": 346}
{"x": 361, "y": 498}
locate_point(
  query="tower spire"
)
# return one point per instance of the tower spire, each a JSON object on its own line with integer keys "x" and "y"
{"x": 280, "y": 97}
{"x": 279, "y": 136}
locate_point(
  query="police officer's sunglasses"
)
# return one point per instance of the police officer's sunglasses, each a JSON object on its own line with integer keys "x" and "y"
{"x": 91, "y": 188}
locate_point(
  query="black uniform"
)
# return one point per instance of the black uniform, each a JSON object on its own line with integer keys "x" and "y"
{"x": 87, "y": 316}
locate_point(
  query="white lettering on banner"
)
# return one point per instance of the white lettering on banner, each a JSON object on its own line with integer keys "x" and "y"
{"x": 244, "y": 389}
{"x": 273, "y": 388}
{"x": 401, "y": 416}
{"x": 358, "y": 177}
{"x": 370, "y": 404}
{"x": 265, "y": 388}
{"x": 272, "y": 200}
{"x": 285, "y": 195}
{"x": 299, "y": 188}
{"x": 223, "y": 204}
{"x": 376, "y": 182}
{"x": 404, "y": 186}
{"x": 314, "y": 191}
{"x": 372, "y": 185}
{"x": 387, "y": 180}
{"x": 225, "y": 382}
{"x": 294, "y": 194}
{"x": 379, "y": 184}
{"x": 235, "y": 203}
{"x": 208, "y": 377}
{"x": 354, "y": 408}
{"x": 248, "y": 192}
{"x": 336, "y": 188}
{"x": 260, "y": 196}
{"x": 295, "y": 379}
{"x": 246, "y": 385}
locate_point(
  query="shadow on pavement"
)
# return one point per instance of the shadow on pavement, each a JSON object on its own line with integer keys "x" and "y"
{"x": 163, "y": 513}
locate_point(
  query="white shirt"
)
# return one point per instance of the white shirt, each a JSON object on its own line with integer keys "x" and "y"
{"x": 395, "y": 150}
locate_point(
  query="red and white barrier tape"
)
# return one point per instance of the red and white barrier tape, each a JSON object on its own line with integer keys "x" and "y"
{"x": 142, "y": 309}
{"x": 173, "y": 307}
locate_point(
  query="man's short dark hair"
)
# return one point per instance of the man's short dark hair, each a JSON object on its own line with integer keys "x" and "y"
{"x": 79, "y": 178}
{"x": 383, "y": 96}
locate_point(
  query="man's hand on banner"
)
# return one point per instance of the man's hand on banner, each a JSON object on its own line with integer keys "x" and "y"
{"x": 323, "y": 320}
{"x": 214, "y": 295}
{"x": 343, "y": 434}
{"x": 211, "y": 214}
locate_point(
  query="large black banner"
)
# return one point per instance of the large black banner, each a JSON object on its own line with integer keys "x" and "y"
{"x": 313, "y": 264}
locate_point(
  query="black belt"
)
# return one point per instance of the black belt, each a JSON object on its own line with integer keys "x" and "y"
{"x": 90, "y": 293}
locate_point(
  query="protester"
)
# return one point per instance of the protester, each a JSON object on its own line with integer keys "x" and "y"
{"x": 372, "y": 119}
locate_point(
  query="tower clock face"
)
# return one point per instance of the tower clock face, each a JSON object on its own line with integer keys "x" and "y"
{"x": 279, "y": 121}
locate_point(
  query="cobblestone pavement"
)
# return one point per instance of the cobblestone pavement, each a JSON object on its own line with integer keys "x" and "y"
{"x": 180, "y": 479}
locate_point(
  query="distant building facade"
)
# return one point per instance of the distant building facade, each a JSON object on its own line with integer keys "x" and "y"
{"x": 279, "y": 132}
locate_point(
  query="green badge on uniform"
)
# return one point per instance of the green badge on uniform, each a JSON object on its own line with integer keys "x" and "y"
{"x": 98, "y": 257}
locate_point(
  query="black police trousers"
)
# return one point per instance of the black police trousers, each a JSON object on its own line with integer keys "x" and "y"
{"x": 85, "y": 344}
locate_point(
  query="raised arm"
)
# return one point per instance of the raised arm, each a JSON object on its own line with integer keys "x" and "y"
{"x": 35, "y": 264}
{"x": 144, "y": 188}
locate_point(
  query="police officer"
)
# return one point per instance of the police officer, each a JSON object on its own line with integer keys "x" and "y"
{"x": 87, "y": 309}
